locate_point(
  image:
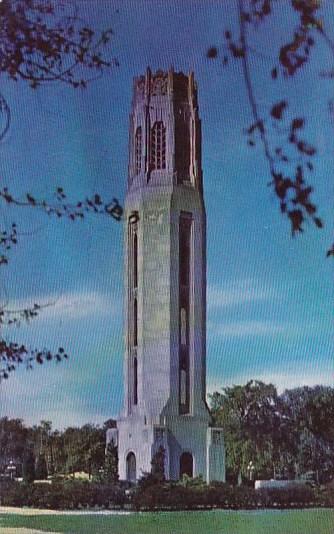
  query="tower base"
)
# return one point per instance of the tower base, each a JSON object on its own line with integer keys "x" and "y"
{"x": 190, "y": 446}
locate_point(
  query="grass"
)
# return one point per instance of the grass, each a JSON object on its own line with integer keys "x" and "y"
{"x": 315, "y": 521}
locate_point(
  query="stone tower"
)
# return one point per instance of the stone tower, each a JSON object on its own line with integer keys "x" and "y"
{"x": 165, "y": 288}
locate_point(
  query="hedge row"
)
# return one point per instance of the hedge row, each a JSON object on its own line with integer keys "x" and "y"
{"x": 171, "y": 496}
{"x": 175, "y": 497}
{"x": 167, "y": 496}
{"x": 62, "y": 495}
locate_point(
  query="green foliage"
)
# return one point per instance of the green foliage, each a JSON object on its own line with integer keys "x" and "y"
{"x": 74, "y": 449}
{"x": 178, "y": 496}
{"x": 192, "y": 482}
{"x": 157, "y": 474}
{"x": 248, "y": 415}
{"x": 84, "y": 449}
{"x": 197, "y": 522}
{"x": 282, "y": 435}
{"x": 70, "y": 494}
{"x": 111, "y": 464}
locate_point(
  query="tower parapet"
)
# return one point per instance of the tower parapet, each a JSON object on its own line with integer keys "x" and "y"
{"x": 165, "y": 131}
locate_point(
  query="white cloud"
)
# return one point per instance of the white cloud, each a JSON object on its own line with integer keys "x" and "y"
{"x": 72, "y": 305}
{"x": 247, "y": 290}
{"x": 245, "y": 328}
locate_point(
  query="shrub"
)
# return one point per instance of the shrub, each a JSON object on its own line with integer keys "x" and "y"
{"x": 110, "y": 474}
{"x": 62, "y": 495}
{"x": 295, "y": 495}
{"x": 196, "y": 494}
{"x": 75, "y": 494}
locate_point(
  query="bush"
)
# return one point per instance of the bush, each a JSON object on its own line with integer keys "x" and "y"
{"x": 62, "y": 495}
{"x": 185, "y": 495}
{"x": 291, "y": 496}
{"x": 196, "y": 494}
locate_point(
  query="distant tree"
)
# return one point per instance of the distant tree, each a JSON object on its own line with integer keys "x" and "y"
{"x": 110, "y": 423}
{"x": 41, "y": 471}
{"x": 288, "y": 153}
{"x": 249, "y": 417}
{"x": 58, "y": 453}
{"x": 13, "y": 439}
{"x": 308, "y": 414}
{"x": 93, "y": 446}
{"x": 111, "y": 464}
{"x": 84, "y": 449}
{"x": 285, "y": 435}
{"x": 28, "y": 468}
{"x": 43, "y": 42}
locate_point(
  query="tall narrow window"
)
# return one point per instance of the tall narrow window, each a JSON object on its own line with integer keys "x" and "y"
{"x": 182, "y": 145}
{"x": 158, "y": 146}
{"x": 184, "y": 307}
{"x": 135, "y": 381}
{"x": 138, "y": 149}
{"x": 185, "y": 226}
{"x": 183, "y": 327}
{"x": 135, "y": 323}
{"x": 135, "y": 260}
{"x": 133, "y": 309}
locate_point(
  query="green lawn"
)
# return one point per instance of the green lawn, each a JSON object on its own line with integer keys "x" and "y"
{"x": 212, "y": 522}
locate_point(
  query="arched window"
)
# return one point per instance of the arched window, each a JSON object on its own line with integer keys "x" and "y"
{"x": 138, "y": 149}
{"x": 131, "y": 470}
{"x": 158, "y": 146}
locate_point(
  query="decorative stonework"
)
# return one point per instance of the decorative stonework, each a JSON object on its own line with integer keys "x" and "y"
{"x": 140, "y": 85}
{"x": 159, "y": 83}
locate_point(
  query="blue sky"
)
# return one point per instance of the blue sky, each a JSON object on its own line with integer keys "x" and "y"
{"x": 269, "y": 295}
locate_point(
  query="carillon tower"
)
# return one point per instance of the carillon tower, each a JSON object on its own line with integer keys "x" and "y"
{"x": 165, "y": 288}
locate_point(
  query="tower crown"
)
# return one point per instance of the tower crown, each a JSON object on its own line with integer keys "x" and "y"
{"x": 165, "y": 131}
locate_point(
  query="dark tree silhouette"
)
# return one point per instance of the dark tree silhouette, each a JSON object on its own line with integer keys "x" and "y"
{"x": 28, "y": 468}
{"x": 111, "y": 464}
{"x": 289, "y": 155}
{"x": 41, "y": 471}
{"x": 43, "y": 41}
{"x": 47, "y": 41}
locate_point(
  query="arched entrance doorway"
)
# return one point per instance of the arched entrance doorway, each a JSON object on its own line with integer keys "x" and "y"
{"x": 131, "y": 467}
{"x": 186, "y": 464}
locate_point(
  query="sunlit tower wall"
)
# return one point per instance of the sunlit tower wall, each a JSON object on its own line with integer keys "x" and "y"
{"x": 165, "y": 287}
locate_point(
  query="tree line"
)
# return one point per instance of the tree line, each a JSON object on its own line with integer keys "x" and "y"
{"x": 267, "y": 435}
{"x": 38, "y": 452}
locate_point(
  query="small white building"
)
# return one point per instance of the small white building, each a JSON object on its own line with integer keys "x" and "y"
{"x": 165, "y": 288}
